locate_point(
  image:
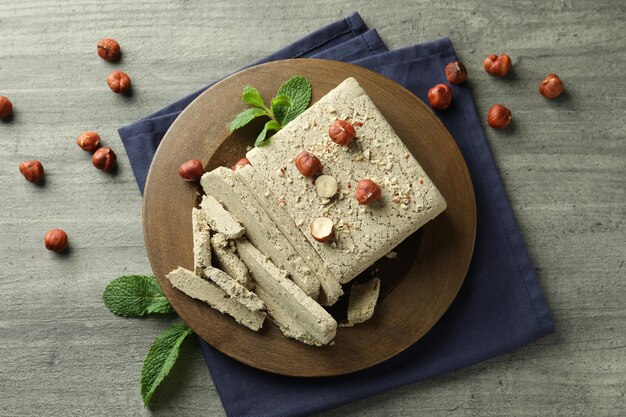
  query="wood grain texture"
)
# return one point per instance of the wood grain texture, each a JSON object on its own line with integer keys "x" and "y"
{"x": 417, "y": 288}
{"x": 63, "y": 354}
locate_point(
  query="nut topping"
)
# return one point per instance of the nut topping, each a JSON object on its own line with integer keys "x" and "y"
{"x": 322, "y": 229}
{"x": 326, "y": 186}
{"x": 367, "y": 192}
{"x": 341, "y": 132}
{"x": 308, "y": 164}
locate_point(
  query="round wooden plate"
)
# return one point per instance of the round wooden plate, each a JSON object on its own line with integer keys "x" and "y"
{"x": 417, "y": 287}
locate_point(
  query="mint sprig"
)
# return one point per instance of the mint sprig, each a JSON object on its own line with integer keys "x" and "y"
{"x": 161, "y": 358}
{"x": 270, "y": 126}
{"x": 251, "y": 96}
{"x": 135, "y": 296}
{"x": 138, "y": 295}
{"x": 281, "y": 100}
{"x": 298, "y": 88}
{"x": 246, "y": 117}
{"x": 292, "y": 98}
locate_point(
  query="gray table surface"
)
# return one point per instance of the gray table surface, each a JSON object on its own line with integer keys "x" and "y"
{"x": 564, "y": 166}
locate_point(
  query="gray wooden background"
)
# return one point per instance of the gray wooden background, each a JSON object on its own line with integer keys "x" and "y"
{"x": 564, "y": 164}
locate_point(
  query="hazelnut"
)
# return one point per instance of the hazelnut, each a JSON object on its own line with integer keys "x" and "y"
{"x": 341, "y": 132}
{"x": 108, "y": 49}
{"x": 322, "y": 229}
{"x": 32, "y": 171}
{"x": 242, "y": 162}
{"x": 104, "y": 159}
{"x": 88, "y": 141}
{"x": 56, "y": 240}
{"x": 308, "y": 164}
{"x": 499, "y": 116}
{"x": 6, "y": 107}
{"x": 119, "y": 82}
{"x": 496, "y": 65}
{"x": 440, "y": 96}
{"x": 367, "y": 192}
{"x": 326, "y": 186}
{"x": 551, "y": 86}
{"x": 456, "y": 73}
{"x": 191, "y": 170}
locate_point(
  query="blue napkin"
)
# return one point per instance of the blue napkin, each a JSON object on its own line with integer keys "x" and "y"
{"x": 500, "y": 306}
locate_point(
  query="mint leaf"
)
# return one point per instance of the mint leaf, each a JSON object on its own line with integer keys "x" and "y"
{"x": 246, "y": 117}
{"x": 281, "y": 100}
{"x": 161, "y": 358}
{"x": 135, "y": 296}
{"x": 262, "y": 139}
{"x": 299, "y": 90}
{"x": 292, "y": 98}
{"x": 252, "y": 96}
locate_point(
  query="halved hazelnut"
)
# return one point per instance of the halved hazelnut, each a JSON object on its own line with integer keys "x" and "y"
{"x": 322, "y": 229}
{"x": 326, "y": 186}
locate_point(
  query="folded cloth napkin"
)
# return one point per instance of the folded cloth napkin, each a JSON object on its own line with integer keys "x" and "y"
{"x": 500, "y": 306}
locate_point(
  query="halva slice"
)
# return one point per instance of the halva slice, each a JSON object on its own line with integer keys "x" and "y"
{"x": 282, "y": 317}
{"x": 219, "y": 219}
{"x": 260, "y": 229}
{"x": 227, "y": 260}
{"x": 362, "y": 234}
{"x": 201, "y": 289}
{"x": 235, "y": 290}
{"x": 304, "y": 310}
{"x": 330, "y": 287}
{"x": 362, "y": 301}
{"x": 201, "y": 241}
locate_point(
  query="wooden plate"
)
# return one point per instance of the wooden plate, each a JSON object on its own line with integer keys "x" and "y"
{"x": 417, "y": 287}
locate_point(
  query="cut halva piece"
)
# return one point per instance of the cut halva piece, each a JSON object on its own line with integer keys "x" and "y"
{"x": 201, "y": 289}
{"x": 201, "y": 241}
{"x": 330, "y": 287}
{"x": 282, "y": 317}
{"x": 363, "y": 234}
{"x": 304, "y": 310}
{"x": 235, "y": 290}
{"x": 260, "y": 229}
{"x": 219, "y": 219}
{"x": 228, "y": 261}
{"x": 362, "y": 301}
